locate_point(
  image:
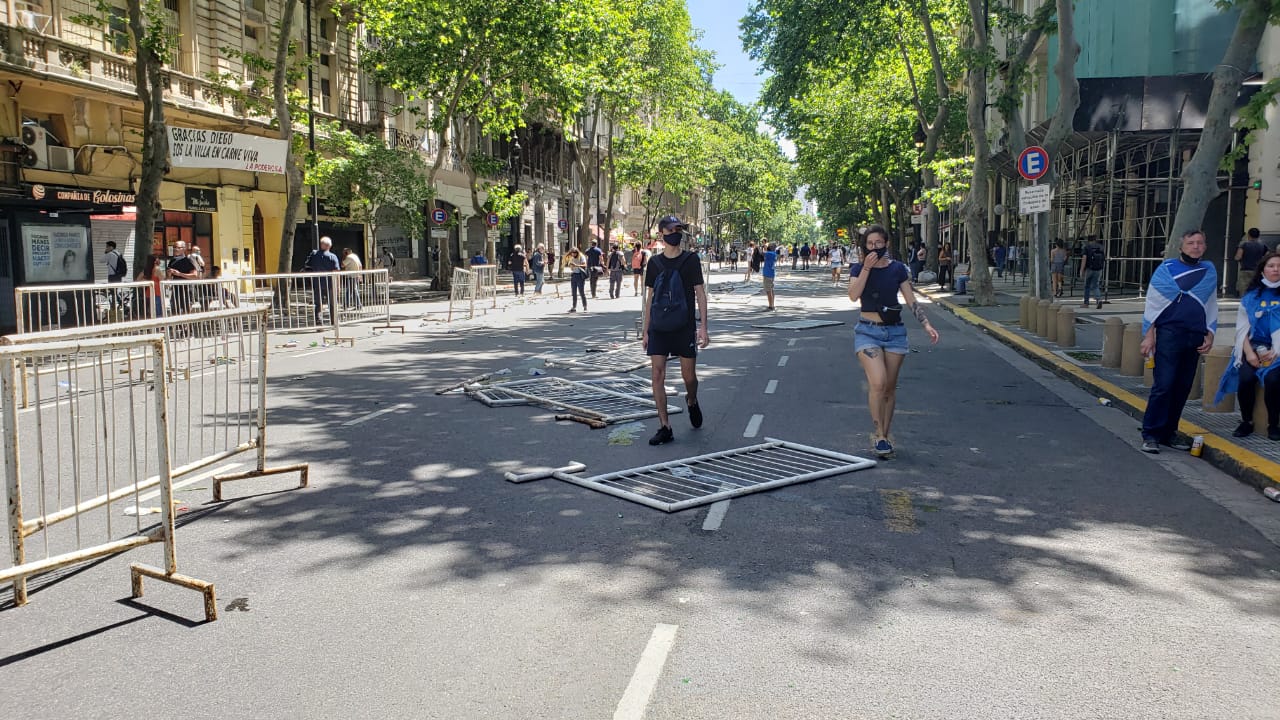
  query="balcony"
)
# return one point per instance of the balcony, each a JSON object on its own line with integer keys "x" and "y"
{"x": 105, "y": 70}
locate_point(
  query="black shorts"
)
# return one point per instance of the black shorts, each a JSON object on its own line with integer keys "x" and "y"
{"x": 681, "y": 343}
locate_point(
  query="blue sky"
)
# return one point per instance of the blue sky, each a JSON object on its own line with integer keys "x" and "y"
{"x": 718, "y": 20}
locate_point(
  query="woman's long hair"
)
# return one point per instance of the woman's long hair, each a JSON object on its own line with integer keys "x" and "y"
{"x": 1256, "y": 282}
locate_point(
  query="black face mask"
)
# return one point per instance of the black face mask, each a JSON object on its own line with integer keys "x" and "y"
{"x": 673, "y": 239}
{"x": 1189, "y": 260}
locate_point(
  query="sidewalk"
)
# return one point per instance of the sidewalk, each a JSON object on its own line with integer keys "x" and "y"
{"x": 1254, "y": 460}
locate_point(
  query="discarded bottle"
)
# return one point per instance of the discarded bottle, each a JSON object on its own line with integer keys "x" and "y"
{"x": 1272, "y": 492}
{"x": 1197, "y": 445}
{"x": 1150, "y": 363}
{"x": 1104, "y": 402}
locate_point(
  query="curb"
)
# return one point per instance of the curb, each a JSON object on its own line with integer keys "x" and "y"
{"x": 1246, "y": 466}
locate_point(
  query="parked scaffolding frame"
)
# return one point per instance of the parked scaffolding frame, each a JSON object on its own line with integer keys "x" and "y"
{"x": 1124, "y": 189}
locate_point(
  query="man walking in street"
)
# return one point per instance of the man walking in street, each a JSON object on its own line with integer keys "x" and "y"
{"x": 322, "y": 261}
{"x": 117, "y": 268}
{"x": 594, "y": 266}
{"x": 1178, "y": 325}
{"x": 1091, "y": 266}
{"x": 673, "y": 282}
{"x": 182, "y": 267}
{"x": 617, "y": 265}
{"x": 1248, "y": 254}
{"x": 351, "y": 283}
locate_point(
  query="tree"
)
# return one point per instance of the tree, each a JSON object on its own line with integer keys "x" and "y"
{"x": 363, "y": 174}
{"x": 1200, "y": 176}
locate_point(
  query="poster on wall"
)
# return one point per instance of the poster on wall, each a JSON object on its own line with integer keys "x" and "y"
{"x": 200, "y": 148}
{"x": 56, "y": 253}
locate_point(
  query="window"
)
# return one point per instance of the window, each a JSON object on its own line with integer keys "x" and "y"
{"x": 251, "y": 32}
{"x": 118, "y": 31}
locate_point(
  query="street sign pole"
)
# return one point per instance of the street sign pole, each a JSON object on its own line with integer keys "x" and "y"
{"x": 1033, "y": 164}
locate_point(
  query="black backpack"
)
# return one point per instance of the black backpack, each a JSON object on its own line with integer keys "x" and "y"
{"x": 121, "y": 268}
{"x": 1095, "y": 258}
{"x": 669, "y": 310}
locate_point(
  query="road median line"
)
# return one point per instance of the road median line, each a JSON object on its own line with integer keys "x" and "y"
{"x": 1243, "y": 464}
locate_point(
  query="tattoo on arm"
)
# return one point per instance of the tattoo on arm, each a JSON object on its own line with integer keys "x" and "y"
{"x": 918, "y": 312}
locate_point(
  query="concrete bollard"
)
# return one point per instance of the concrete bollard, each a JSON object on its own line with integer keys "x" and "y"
{"x": 1042, "y": 318}
{"x": 1066, "y": 326}
{"x": 1148, "y": 372}
{"x": 1052, "y": 331}
{"x": 1131, "y": 360}
{"x": 1112, "y": 342}
{"x": 1197, "y": 385}
{"x": 1215, "y": 363}
{"x": 1028, "y": 317}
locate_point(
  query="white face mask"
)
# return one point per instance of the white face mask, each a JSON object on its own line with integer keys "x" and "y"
{"x": 1270, "y": 284}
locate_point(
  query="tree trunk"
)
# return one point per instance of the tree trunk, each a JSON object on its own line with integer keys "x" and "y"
{"x": 1200, "y": 176}
{"x": 974, "y": 207}
{"x": 149, "y": 82}
{"x": 1059, "y": 128}
{"x": 293, "y": 174}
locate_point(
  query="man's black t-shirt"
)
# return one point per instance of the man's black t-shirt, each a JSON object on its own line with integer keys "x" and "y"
{"x": 183, "y": 264}
{"x": 593, "y": 256}
{"x": 1251, "y": 253}
{"x": 690, "y": 272}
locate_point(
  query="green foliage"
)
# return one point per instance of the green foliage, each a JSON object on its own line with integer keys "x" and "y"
{"x": 363, "y": 173}
{"x": 500, "y": 200}
{"x": 954, "y": 176}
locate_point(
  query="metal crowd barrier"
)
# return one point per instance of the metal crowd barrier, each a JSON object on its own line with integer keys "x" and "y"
{"x": 52, "y": 307}
{"x": 78, "y": 465}
{"x": 462, "y": 290}
{"x": 220, "y": 406}
{"x": 486, "y": 282}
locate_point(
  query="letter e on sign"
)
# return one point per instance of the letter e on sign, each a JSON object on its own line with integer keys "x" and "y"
{"x": 1033, "y": 163}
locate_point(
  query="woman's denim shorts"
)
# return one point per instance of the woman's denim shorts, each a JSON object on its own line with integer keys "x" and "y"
{"x": 890, "y": 338}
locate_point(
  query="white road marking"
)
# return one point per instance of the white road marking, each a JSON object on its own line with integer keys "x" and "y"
{"x": 645, "y": 679}
{"x": 192, "y": 480}
{"x": 782, "y": 361}
{"x": 771, "y": 388}
{"x": 791, "y": 342}
{"x": 313, "y": 352}
{"x": 715, "y": 515}
{"x": 753, "y": 426}
{"x": 372, "y": 415}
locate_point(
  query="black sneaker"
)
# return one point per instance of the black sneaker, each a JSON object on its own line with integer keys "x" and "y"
{"x": 695, "y": 415}
{"x": 664, "y": 435}
{"x": 1182, "y": 445}
{"x": 1150, "y": 446}
{"x": 1244, "y": 429}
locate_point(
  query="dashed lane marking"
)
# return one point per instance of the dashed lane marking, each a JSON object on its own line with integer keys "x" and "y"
{"x": 715, "y": 515}
{"x": 782, "y": 361}
{"x": 313, "y": 352}
{"x": 372, "y": 415}
{"x": 643, "y": 681}
{"x": 771, "y": 388}
{"x": 753, "y": 426}
{"x": 791, "y": 342}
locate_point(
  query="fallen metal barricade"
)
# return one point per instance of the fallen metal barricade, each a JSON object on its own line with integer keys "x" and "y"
{"x": 462, "y": 291}
{"x": 624, "y": 358}
{"x": 52, "y": 307}
{"x": 495, "y": 395}
{"x": 94, "y": 445}
{"x": 689, "y": 482}
{"x": 219, "y": 408}
{"x": 579, "y": 399}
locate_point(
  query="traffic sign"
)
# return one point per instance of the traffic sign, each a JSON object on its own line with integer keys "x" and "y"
{"x": 440, "y": 216}
{"x": 491, "y": 220}
{"x": 1033, "y": 163}
{"x": 1033, "y": 199}
{"x": 563, "y": 224}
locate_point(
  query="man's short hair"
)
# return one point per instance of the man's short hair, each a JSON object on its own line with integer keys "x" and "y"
{"x": 1254, "y": 234}
{"x": 111, "y": 244}
{"x": 1190, "y": 233}
{"x": 326, "y": 241}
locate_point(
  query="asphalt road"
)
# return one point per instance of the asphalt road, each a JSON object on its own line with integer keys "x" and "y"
{"x": 1019, "y": 558}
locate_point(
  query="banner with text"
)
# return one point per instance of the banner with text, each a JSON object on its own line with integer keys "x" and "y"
{"x": 197, "y": 148}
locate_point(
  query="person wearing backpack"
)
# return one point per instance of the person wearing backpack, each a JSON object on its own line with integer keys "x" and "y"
{"x": 1095, "y": 259}
{"x": 673, "y": 282}
{"x": 617, "y": 264}
{"x": 117, "y": 269}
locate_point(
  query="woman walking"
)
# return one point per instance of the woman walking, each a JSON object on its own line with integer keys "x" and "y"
{"x": 945, "y": 264}
{"x": 577, "y": 263}
{"x": 1253, "y": 358}
{"x": 1057, "y": 266}
{"x": 880, "y": 338}
{"x": 538, "y": 263}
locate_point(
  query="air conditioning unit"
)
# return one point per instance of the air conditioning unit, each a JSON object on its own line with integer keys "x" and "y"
{"x": 62, "y": 159}
{"x": 36, "y": 139}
